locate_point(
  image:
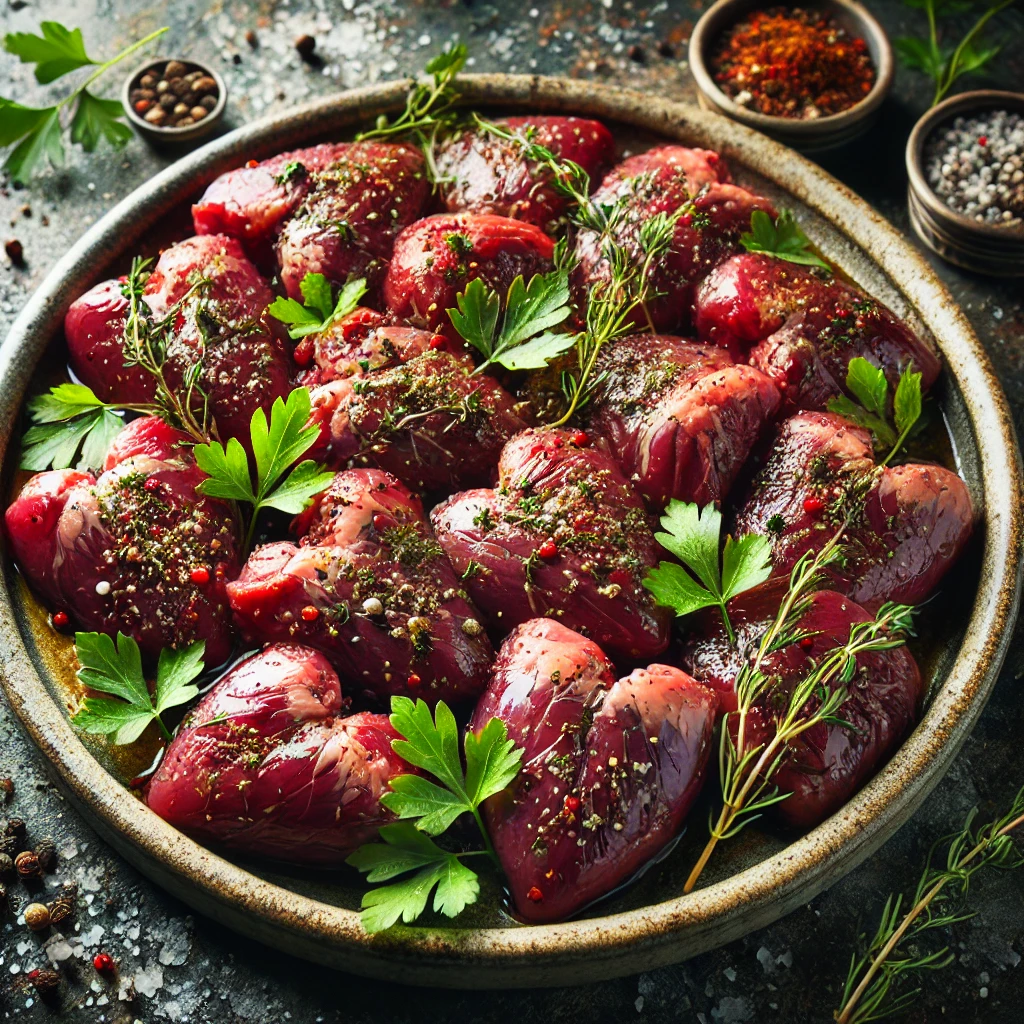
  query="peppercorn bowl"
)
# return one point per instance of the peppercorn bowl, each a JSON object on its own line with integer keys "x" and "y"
{"x": 651, "y": 923}
{"x": 982, "y": 246}
{"x": 173, "y": 101}
{"x": 811, "y": 134}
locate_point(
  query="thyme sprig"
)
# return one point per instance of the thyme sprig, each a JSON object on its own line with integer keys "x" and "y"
{"x": 613, "y": 302}
{"x": 428, "y": 107}
{"x": 746, "y": 768}
{"x": 145, "y": 345}
{"x": 936, "y": 903}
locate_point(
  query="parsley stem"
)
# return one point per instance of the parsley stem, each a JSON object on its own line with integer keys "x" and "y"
{"x": 488, "y": 845}
{"x": 128, "y": 51}
{"x": 163, "y": 729}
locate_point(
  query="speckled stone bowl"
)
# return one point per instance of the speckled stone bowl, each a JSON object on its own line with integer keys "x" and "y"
{"x": 757, "y": 877}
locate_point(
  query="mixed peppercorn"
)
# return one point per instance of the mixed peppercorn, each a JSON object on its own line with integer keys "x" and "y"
{"x": 174, "y": 95}
{"x": 789, "y": 62}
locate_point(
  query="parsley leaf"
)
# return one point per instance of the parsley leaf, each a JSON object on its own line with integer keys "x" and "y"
{"x": 117, "y": 670}
{"x": 523, "y": 341}
{"x": 319, "y": 311}
{"x": 784, "y": 239}
{"x": 276, "y": 447}
{"x": 36, "y": 132}
{"x": 431, "y": 742}
{"x": 56, "y": 52}
{"x": 97, "y": 118}
{"x": 693, "y": 537}
{"x": 71, "y": 426}
{"x": 871, "y": 389}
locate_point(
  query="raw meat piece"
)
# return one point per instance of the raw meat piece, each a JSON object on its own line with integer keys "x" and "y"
{"x": 908, "y": 524}
{"x": 138, "y": 550}
{"x": 481, "y": 173}
{"x": 663, "y": 180}
{"x": 802, "y": 327}
{"x": 430, "y": 421}
{"x": 679, "y": 418}
{"x": 370, "y": 587}
{"x": 438, "y": 256}
{"x": 347, "y": 223}
{"x": 564, "y": 536}
{"x": 828, "y": 763}
{"x": 267, "y": 764}
{"x": 610, "y": 768}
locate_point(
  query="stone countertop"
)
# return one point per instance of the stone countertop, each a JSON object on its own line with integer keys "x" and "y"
{"x": 173, "y": 966}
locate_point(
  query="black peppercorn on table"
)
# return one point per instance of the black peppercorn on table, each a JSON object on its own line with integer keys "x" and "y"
{"x": 169, "y": 965}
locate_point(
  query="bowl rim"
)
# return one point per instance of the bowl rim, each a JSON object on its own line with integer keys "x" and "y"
{"x": 183, "y": 131}
{"x": 579, "y": 950}
{"x": 963, "y": 102}
{"x": 796, "y": 129}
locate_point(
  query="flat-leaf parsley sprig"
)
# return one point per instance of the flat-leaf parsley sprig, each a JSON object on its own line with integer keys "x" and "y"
{"x": 694, "y": 537}
{"x": 784, "y": 239}
{"x": 116, "y": 669}
{"x": 431, "y": 743}
{"x": 276, "y": 447}
{"x": 871, "y": 410}
{"x": 70, "y": 426}
{"x": 320, "y": 309}
{"x": 524, "y": 340}
{"x": 936, "y": 903}
{"x": 36, "y": 132}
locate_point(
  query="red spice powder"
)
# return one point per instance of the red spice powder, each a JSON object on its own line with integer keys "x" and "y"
{"x": 793, "y": 63}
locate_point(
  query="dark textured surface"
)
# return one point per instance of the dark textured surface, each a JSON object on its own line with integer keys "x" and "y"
{"x": 191, "y": 969}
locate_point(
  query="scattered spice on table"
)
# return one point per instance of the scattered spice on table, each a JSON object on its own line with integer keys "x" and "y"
{"x": 174, "y": 95}
{"x": 789, "y": 62}
{"x": 976, "y": 167}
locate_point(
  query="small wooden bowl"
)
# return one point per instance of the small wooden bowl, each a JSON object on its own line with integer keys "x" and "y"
{"x": 985, "y": 248}
{"x": 187, "y": 133}
{"x": 808, "y": 136}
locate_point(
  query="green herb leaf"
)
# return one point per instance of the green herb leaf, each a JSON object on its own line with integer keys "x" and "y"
{"x": 784, "y": 239}
{"x": 68, "y": 420}
{"x": 41, "y": 141}
{"x": 492, "y": 761}
{"x": 524, "y": 341}
{"x": 228, "y": 469}
{"x": 97, "y": 118}
{"x": 871, "y": 410}
{"x": 921, "y": 55}
{"x": 408, "y": 849}
{"x": 693, "y": 536}
{"x": 907, "y": 402}
{"x": 412, "y": 796}
{"x": 37, "y": 131}
{"x": 431, "y": 742}
{"x": 81, "y": 442}
{"x": 305, "y": 480}
{"x": 116, "y": 669}
{"x": 476, "y": 318}
{"x": 277, "y": 446}
{"x": 175, "y": 673}
{"x": 56, "y": 52}
{"x": 320, "y": 310}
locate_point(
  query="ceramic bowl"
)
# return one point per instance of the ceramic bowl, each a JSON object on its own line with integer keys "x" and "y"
{"x": 986, "y": 248}
{"x": 761, "y": 875}
{"x": 187, "y": 133}
{"x": 808, "y": 136}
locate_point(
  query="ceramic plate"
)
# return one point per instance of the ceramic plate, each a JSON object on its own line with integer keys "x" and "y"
{"x": 759, "y": 876}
